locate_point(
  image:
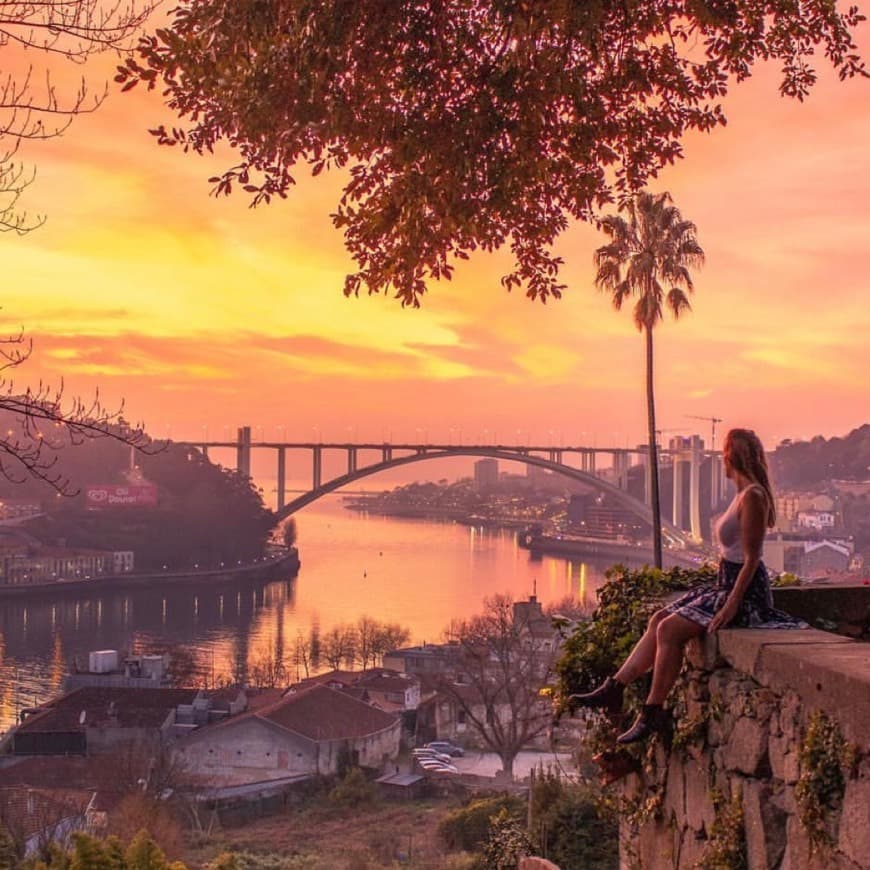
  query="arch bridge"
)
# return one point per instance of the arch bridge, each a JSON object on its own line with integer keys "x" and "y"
{"x": 689, "y": 453}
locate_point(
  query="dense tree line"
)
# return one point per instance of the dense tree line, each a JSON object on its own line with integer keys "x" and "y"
{"x": 206, "y": 515}
{"x": 804, "y": 464}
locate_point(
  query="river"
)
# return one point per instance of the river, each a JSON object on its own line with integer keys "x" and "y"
{"x": 417, "y": 573}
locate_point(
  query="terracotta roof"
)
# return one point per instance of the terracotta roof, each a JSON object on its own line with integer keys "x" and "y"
{"x": 260, "y": 698}
{"x": 321, "y": 713}
{"x": 107, "y": 705}
{"x": 380, "y": 683}
{"x": 343, "y": 678}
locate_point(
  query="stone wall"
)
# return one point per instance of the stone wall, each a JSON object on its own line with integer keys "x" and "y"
{"x": 765, "y": 722}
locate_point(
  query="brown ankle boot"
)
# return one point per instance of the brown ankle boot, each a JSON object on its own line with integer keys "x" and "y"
{"x": 607, "y": 696}
{"x": 652, "y": 719}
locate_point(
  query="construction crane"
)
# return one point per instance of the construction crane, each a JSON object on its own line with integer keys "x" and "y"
{"x": 712, "y": 421}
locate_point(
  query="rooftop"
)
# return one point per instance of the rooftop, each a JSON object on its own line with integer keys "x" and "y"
{"x": 321, "y": 713}
{"x": 96, "y": 706}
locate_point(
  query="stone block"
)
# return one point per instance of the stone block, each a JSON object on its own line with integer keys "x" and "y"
{"x": 854, "y": 841}
{"x": 783, "y": 755}
{"x": 675, "y": 790}
{"x": 703, "y": 652}
{"x": 691, "y": 850}
{"x": 764, "y": 702}
{"x": 656, "y": 845}
{"x": 532, "y": 862}
{"x": 700, "y": 812}
{"x": 765, "y": 824}
{"x": 834, "y": 678}
{"x": 798, "y": 855}
{"x": 742, "y": 647}
{"x": 746, "y": 749}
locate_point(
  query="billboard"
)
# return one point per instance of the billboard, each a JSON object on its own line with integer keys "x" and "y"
{"x": 128, "y": 495}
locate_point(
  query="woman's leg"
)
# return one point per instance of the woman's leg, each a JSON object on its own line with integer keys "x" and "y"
{"x": 671, "y": 636}
{"x": 643, "y": 656}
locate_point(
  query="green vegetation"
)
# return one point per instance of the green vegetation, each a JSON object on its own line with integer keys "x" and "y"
{"x": 824, "y": 758}
{"x": 506, "y": 842}
{"x": 354, "y": 789}
{"x": 596, "y": 647}
{"x": 555, "y": 110}
{"x": 726, "y": 848}
{"x": 571, "y": 824}
{"x": 467, "y": 827}
{"x": 90, "y": 853}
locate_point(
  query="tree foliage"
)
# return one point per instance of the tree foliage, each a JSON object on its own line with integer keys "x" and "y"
{"x": 206, "y": 515}
{"x": 467, "y": 125}
{"x": 467, "y": 827}
{"x": 31, "y": 108}
{"x": 800, "y": 464}
{"x": 570, "y": 825}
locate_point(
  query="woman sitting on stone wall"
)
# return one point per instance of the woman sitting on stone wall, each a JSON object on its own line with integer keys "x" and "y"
{"x": 741, "y": 596}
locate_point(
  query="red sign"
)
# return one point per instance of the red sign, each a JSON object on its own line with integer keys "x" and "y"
{"x": 131, "y": 495}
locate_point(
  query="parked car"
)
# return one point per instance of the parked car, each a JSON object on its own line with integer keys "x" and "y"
{"x": 431, "y": 766}
{"x": 431, "y": 753}
{"x": 446, "y": 747}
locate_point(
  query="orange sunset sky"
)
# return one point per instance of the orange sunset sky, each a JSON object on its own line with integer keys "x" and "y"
{"x": 205, "y": 313}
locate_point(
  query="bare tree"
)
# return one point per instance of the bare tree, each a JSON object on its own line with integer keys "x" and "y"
{"x": 38, "y": 423}
{"x": 339, "y": 645}
{"x": 367, "y": 631}
{"x": 31, "y": 109}
{"x": 269, "y": 671}
{"x": 505, "y": 656}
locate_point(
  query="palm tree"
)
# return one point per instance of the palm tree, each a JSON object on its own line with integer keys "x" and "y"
{"x": 647, "y": 253}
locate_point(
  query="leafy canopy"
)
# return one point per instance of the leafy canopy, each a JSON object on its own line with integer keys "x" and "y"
{"x": 465, "y": 124}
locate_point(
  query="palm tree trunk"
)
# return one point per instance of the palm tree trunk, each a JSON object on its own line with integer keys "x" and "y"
{"x": 653, "y": 453}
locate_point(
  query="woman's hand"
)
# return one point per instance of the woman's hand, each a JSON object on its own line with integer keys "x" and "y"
{"x": 724, "y": 615}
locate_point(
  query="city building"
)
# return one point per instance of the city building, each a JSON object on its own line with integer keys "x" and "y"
{"x": 816, "y": 519}
{"x": 807, "y": 556}
{"x": 29, "y": 565}
{"x": 485, "y": 475}
{"x": 95, "y": 719}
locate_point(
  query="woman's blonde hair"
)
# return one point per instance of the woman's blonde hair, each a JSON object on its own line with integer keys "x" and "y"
{"x": 746, "y": 455}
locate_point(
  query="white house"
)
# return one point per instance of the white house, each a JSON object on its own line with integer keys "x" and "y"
{"x": 306, "y": 732}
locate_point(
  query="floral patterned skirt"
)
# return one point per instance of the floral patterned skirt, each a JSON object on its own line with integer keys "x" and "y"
{"x": 756, "y": 610}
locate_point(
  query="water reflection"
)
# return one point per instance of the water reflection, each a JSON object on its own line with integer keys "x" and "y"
{"x": 418, "y": 574}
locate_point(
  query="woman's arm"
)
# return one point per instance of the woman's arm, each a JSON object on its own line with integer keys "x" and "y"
{"x": 753, "y": 524}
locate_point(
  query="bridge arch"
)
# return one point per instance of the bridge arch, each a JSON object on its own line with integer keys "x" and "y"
{"x": 620, "y": 496}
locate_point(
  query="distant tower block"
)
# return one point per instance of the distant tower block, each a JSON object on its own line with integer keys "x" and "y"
{"x": 686, "y": 455}
{"x": 621, "y": 464}
{"x": 243, "y": 451}
{"x": 643, "y": 456}
{"x": 717, "y": 474}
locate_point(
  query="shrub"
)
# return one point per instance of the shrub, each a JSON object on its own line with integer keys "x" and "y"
{"x": 571, "y": 824}
{"x": 353, "y": 789}
{"x": 467, "y": 828}
{"x": 506, "y": 842}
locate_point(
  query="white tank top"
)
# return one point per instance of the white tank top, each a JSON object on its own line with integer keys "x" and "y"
{"x": 727, "y": 531}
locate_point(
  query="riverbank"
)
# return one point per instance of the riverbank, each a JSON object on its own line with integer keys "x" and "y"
{"x": 569, "y": 547}
{"x": 260, "y": 570}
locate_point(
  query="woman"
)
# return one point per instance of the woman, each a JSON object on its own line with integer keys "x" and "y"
{"x": 741, "y": 596}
